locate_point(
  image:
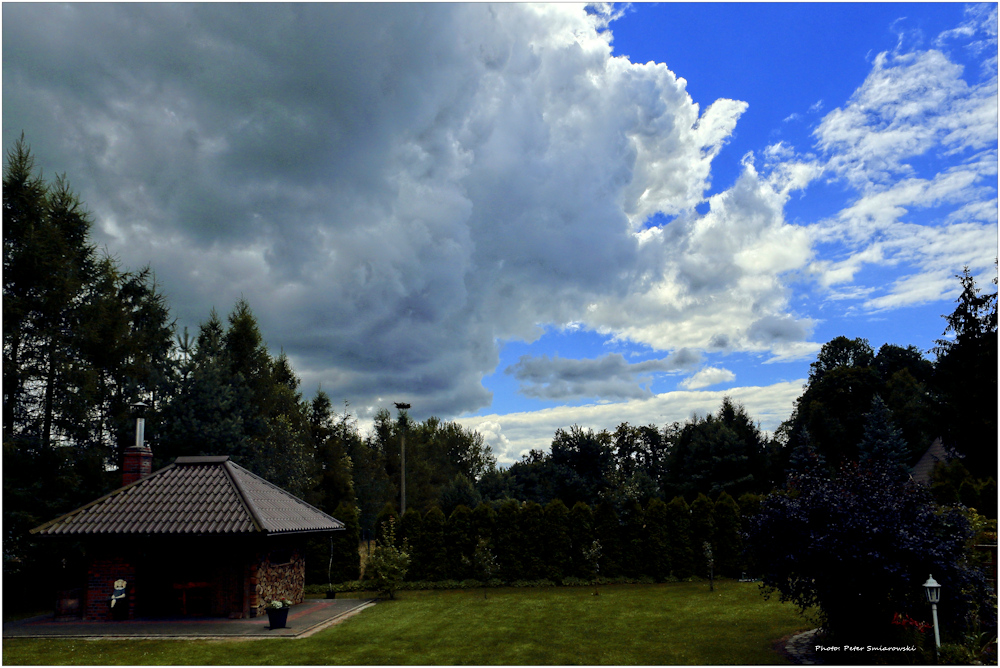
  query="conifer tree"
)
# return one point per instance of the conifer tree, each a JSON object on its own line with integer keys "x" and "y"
{"x": 411, "y": 537}
{"x": 702, "y": 528}
{"x": 728, "y": 540}
{"x": 460, "y": 542}
{"x": 506, "y": 544}
{"x": 432, "y": 548}
{"x": 484, "y": 520}
{"x": 556, "y": 541}
{"x": 345, "y": 563}
{"x": 607, "y": 529}
{"x": 530, "y": 538}
{"x": 581, "y": 535}
{"x": 657, "y": 552}
{"x": 882, "y": 441}
{"x": 387, "y": 514}
{"x": 679, "y": 531}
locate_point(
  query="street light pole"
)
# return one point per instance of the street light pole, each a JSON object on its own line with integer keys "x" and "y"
{"x": 402, "y": 408}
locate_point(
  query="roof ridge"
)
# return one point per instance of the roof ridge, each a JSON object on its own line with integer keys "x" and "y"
{"x": 245, "y": 499}
{"x": 279, "y": 489}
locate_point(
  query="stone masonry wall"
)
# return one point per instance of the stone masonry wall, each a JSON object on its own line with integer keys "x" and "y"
{"x": 277, "y": 574}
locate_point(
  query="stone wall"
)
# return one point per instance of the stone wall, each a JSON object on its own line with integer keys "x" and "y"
{"x": 277, "y": 573}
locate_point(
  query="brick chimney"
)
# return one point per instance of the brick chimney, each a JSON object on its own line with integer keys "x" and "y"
{"x": 139, "y": 458}
{"x": 138, "y": 464}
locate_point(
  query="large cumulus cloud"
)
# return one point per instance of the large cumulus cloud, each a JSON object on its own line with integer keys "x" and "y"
{"x": 394, "y": 188}
{"x": 398, "y": 189}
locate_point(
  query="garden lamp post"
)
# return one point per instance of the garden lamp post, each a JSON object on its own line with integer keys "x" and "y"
{"x": 933, "y": 591}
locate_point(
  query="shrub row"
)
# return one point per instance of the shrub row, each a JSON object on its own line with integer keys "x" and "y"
{"x": 513, "y": 541}
{"x": 364, "y": 585}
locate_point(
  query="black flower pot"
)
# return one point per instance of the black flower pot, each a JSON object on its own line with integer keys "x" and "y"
{"x": 277, "y": 617}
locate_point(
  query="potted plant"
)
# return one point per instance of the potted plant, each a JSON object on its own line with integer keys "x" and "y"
{"x": 277, "y": 613}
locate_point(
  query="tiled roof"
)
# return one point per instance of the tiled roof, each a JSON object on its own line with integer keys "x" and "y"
{"x": 195, "y": 495}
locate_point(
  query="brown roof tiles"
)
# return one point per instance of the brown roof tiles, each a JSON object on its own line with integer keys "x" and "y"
{"x": 194, "y": 495}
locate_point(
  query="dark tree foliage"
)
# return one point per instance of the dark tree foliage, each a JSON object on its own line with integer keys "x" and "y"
{"x": 556, "y": 541}
{"x": 842, "y": 382}
{"x": 702, "y": 530}
{"x": 966, "y": 376}
{"x": 585, "y": 459}
{"x": 581, "y": 536}
{"x": 484, "y": 520}
{"x": 721, "y": 452}
{"x": 82, "y": 340}
{"x": 679, "y": 530}
{"x": 411, "y": 527}
{"x": 507, "y": 540}
{"x": 332, "y": 438}
{"x": 459, "y": 492}
{"x": 728, "y": 543}
{"x": 633, "y": 540}
{"x": 859, "y": 546}
{"x": 382, "y": 521}
{"x": 372, "y": 486}
{"x": 460, "y": 543}
{"x": 608, "y": 530}
{"x": 335, "y": 558}
{"x": 431, "y": 548}
{"x": 530, "y": 540}
{"x": 657, "y": 540}
{"x": 749, "y": 505}
{"x": 881, "y": 440}
{"x": 640, "y": 463}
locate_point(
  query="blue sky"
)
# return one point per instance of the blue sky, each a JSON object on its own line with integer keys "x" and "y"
{"x": 530, "y": 216}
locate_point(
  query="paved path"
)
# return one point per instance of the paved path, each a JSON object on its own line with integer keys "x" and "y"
{"x": 801, "y": 648}
{"x": 304, "y": 619}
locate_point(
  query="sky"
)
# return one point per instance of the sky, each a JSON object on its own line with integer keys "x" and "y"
{"x": 524, "y": 217}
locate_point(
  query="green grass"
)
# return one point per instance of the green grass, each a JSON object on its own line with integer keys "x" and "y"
{"x": 679, "y": 623}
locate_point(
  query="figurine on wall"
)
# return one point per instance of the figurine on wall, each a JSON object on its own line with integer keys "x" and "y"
{"x": 121, "y": 612}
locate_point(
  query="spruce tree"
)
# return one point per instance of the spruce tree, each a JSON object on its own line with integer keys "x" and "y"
{"x": 882, "y": 441}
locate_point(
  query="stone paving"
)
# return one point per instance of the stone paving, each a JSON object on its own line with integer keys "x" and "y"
{"x": 304, "y": 619}
{"x": 801, "y": 649}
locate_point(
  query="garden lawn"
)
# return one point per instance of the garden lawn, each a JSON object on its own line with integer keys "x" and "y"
{"x": 682, "y": 623}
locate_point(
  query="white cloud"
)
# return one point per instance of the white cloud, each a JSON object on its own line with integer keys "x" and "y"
{"x": 707, "y": 377}
{"x": 770, "y": 405}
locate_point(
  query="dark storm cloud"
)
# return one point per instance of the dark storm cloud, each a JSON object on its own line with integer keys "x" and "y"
{"x": 609, "y": 377}
{"x": 394, "y": 188}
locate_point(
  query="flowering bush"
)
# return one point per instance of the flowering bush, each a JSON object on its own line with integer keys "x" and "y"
{"x": 278, "y": 604}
